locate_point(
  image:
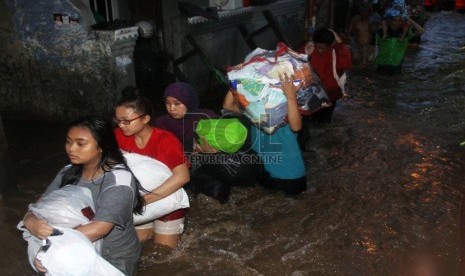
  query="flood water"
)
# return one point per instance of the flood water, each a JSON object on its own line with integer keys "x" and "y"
{"x": 385, "y": 184}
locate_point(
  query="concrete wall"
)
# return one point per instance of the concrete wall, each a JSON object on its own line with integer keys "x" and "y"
{"x": 56, "y": 72}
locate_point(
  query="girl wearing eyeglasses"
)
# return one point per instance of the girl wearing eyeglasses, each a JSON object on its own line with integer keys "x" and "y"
{"x": 134, "y": 133}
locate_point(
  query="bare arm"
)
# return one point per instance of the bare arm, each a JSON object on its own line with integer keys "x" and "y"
{"x": 38, "y": 227}
{"x": 337, "y": 38}
{"x": 419, "y": 30}
{"x": 230, "y": 103}
{"x": 290, "y": 90}
{"x": 96, "y": 229}
{"x": 179, "y": 178}
{"x": 41, "y": 229}
{"x": 351, "y": 30}
{"x": 384, "y": 27}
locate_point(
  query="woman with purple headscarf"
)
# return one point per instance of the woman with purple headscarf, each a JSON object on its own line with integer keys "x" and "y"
{"x": 182, "y": 105}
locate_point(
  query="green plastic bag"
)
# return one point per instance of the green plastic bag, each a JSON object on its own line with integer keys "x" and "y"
{"x": 226, "y": 135}
{"x": 391, "y": 51}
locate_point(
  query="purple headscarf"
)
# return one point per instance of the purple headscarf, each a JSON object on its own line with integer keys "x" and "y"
{"x": 184, "y": 128}
{"x": 185, "y": 93}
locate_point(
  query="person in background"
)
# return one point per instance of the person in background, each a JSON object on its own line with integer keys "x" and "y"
{"x": 330, "y": 58}
{"x": 417, "y": 14}
{"x": 182, "y": 105}
{"x": 395, "y": 30}
{"x": 183, "y": 112}
{"x": 289, "y": 175}
{"x": 375, "y": 26}
{"x": 224, "y": 154}
{"x": 397, "y": 7}
{"x": 134, "y": 133}
{"x": 97, "y": 164}
{"x": 359, "y": 28}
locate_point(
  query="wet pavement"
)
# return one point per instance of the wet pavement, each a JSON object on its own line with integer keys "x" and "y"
{"x": 386, "y": 184}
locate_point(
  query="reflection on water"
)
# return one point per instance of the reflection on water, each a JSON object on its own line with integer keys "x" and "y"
{"x": 385, "y": 182}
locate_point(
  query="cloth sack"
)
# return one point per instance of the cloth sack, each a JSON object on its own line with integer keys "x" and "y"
{"x": 254, "y": 82}
{"x": 226, "y": 135}
{"x": 152, "y": 173}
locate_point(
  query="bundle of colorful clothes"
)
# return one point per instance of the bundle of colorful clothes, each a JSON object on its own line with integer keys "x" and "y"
{"x": 254, "y": 84}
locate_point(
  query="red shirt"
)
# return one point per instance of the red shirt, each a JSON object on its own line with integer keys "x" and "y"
{"x": 162, "y": 145}
{"x": 323, "y": 65}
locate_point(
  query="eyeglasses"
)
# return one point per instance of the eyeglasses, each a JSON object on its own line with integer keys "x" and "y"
{"x": 126, "y": 122}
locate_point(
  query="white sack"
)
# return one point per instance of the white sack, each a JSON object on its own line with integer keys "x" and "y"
{"x": 64, "y": 207}
{"x": 72, "y": 254}
{"x": 152, "y": 173}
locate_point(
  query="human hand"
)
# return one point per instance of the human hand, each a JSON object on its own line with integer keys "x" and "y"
{"x": 39, "y": 266}
{"x": 288, "y": 87}
{"x": 309, "y": 48}
{"x": 337, "y": 39}
{"x": 38, "y": 227}
{"x": 204, "y": 146}
{"x": 152, "y": 197}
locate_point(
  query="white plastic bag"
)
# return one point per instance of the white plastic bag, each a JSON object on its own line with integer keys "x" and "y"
{"x": 33, "y": 244}
{"x": 72, "y": 254}
{"x": 69, "y": 206}
{"x": 152, "y": 173}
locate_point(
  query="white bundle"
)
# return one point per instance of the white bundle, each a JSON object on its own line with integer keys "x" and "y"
{"x": 65, "y": 207}
{"x": 151, "y": 174}
{"x": 72, "y": 254}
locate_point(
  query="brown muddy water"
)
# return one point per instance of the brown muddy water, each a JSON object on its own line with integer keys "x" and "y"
{"x": 385, "y": 184}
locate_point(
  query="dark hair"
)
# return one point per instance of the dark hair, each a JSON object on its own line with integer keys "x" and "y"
{"x": 323, "y": 36}
{"x": 130, "y": 98}
{"x": 102, "y": 132}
